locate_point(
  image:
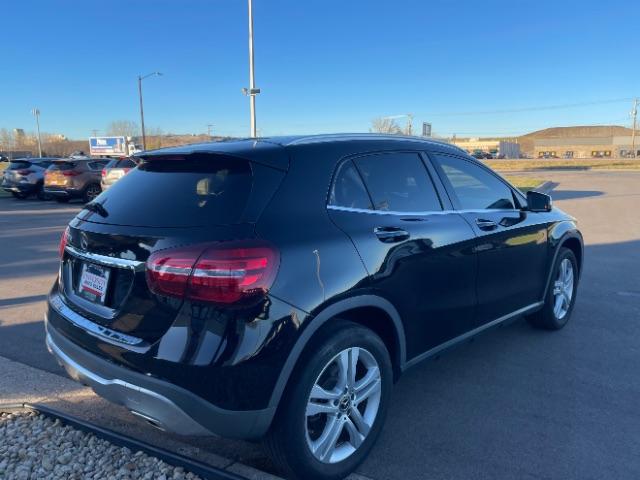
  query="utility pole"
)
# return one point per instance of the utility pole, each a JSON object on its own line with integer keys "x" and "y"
{"x": 634, "y": 115}
{"x": 209, "y": 126}
{"x": 409, "y": 124}
{"x": 140, "y": 78}
{"x": 94, "y": 132}
{"x": 252, "y": 91}
{"x": 36, "y": 113}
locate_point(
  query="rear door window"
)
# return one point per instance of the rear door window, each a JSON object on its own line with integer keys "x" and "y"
{"x": 195, "y": 190}
{"x": 398, "y": 182}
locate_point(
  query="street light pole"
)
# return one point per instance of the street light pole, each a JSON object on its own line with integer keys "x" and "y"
{"x": 36, "y": 113}
{"x": 634, "y": 115}
{"x": 140, "y": 78}
{"x": 252, "y": 91}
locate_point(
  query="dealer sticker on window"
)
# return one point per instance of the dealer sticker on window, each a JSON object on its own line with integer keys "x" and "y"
{"x": 93, "y": 282}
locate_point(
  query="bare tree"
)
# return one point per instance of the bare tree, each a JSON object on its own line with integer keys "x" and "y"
{"x": 385, "y": 125}
{"x": 125, "y": 128}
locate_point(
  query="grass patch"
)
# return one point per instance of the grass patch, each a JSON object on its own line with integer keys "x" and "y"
{"x": 524, "y": 184}
{"x": 578, "y": 163}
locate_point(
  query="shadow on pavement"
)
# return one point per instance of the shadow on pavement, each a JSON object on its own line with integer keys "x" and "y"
{"x": 574, "y": 194}
{"x": 6, "y": 302}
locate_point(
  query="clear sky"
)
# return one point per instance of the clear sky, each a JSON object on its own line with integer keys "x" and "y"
{"x": 323, "y": 66}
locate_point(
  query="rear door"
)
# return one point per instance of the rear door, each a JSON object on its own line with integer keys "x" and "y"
{"x": 512, "y": 243}
{"x": 417, "y": 251}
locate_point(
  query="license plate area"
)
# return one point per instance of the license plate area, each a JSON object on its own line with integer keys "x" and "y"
{"x": 93, "y": 282}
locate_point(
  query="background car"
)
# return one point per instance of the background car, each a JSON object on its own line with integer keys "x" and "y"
{"x": 115, "y": 170}
{"x": 71, "y": 178}
{"x": 25, "y": 176}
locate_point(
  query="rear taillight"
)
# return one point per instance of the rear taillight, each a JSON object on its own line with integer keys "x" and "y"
{"x": 70, "y": 173}
{"x": 104, "y": 172}
{"x": 63, "y": 242}
{"x": 226, "y": 272}
{"x": 24, "y": 171}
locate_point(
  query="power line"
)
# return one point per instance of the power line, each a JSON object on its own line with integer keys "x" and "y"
{"x": 531, "y": 109}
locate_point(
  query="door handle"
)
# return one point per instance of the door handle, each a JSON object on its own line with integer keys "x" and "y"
{"x": 391, "y": 234}
{"x": 486, "y": 225}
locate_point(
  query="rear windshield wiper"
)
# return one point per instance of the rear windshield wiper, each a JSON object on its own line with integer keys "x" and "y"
{"x": 98, "y": 208}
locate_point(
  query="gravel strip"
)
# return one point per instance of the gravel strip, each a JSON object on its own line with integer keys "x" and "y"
{"x": 33, "y": 446}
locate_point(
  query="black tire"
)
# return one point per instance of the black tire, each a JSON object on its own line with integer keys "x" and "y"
{"x": 91, "y": 192}
{"x": 546, "y": 317}
{"x": 62, "y": 199}
{"x": 19, "y": 195}
{"x": 286, "y": 442}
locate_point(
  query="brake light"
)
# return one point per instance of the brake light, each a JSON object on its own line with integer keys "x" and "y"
{"x": 70, "y": 173}
{"x": 226, "y": 272}
{"x": 104, "y": 172}
{"x": 24, "y": 171}
{"x": 63, "y": 242}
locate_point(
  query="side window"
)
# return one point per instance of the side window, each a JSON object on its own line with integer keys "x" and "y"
{"x": 475, "y": 188}
{"x": 398, "y": 182}
{"x": 348, "y": 190}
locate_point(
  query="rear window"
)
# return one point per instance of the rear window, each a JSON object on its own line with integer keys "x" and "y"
{"x": 116, "y": 163}
{"x": 62, "y": 166}
{"x": 18, "y": 165}
{"x": 196, "y": 190}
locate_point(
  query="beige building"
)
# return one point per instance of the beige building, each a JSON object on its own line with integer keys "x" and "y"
{"x": 586, "y": 147}
{"x": 494, "y": 147}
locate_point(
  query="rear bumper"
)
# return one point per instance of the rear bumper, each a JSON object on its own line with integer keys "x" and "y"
{"x": 61, "y": 192}
{"x": 163, "y": 404}
{"x": 19, "y": 187}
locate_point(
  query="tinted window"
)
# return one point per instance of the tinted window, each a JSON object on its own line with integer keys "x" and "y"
{"x": 116, "y": 163}
{"x": 62, "y": 166}
{"x": 475, "y": 188}
{"x": 348, "y": 189}
{"x": 18, "y": 165}
{"x": 398, "y": 182}
{"x": 97, "y": 165}
{"x": 180, "y": 192}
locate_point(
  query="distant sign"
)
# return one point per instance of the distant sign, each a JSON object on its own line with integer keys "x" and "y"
{"x": 107, "y": 146}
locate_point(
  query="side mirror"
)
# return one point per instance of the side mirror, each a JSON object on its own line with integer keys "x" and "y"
{"x": 538, "y": 202}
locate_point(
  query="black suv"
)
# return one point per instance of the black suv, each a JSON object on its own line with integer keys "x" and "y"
{"x": 276, "y": 288}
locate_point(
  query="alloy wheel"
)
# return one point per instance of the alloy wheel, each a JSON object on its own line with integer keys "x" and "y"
{"x": 343, "y": 405}
{"x": 563, "y": 289}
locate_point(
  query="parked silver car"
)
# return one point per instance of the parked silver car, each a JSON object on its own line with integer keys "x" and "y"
{"x": 25, "y": 176}
{"x": 115, "y": 170}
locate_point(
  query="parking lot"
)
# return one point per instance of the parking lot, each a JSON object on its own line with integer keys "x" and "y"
{"x": 515, "y": 403}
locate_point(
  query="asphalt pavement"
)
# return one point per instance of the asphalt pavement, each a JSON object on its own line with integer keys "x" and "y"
{"x": 515, "y": 403}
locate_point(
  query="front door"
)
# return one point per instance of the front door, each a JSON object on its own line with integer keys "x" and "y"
{"x": 511, "y": 245}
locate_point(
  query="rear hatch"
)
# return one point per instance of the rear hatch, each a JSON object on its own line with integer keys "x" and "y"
{"x": 17, "y": 170}
{"x": 59, "y": 174}
{"x": 165, "y": 203}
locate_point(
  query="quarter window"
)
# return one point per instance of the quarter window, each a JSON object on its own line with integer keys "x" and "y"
{"x": 475, "y": 188}
{"x": 348, "y": 190}
{"x": 398, "y": 182}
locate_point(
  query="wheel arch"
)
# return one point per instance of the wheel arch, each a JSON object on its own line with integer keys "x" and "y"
{"x": 371, "y": 311}
{"x": 568, "y": 238}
